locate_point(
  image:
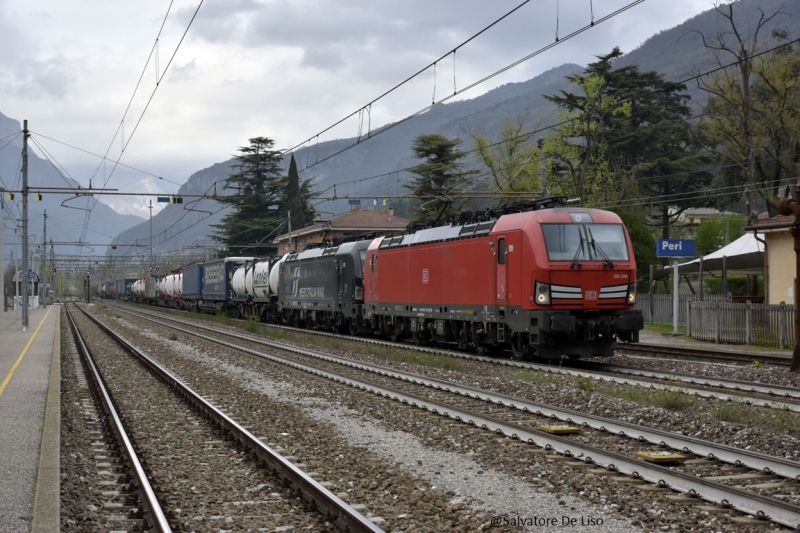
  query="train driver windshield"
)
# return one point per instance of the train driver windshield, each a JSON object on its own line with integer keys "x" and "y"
{"x": 585, "y": 242}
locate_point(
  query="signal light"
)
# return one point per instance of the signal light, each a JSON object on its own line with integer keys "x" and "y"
{"x": 54, "y": 270}
{"x": 38, "y": 197}
{"x": 10, "y": 196}
{"x": 175, "y": 200}
{"x": 157, "y": 269}
{"x": 151, "y": 271}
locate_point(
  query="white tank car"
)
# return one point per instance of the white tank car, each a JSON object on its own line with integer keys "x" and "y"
{"x": 261, "y": 279}
{"x": 138, "y": 288}
{"x": 163, "y": 287}
{"x": 274, "y": 274}
{"x": 238, "y": 282}
{"x": 179, "y": 285}
{"x": 248, "y": 279}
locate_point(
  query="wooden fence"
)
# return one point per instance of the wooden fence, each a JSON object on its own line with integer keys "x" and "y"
{"x": 742, "y": 323}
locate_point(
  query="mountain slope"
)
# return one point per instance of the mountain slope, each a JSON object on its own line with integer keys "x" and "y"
{"x": 66, "y": 215}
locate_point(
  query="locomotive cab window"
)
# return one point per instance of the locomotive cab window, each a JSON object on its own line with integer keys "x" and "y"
{"x": 585, "y": 242}
{"x": 501, "y": 251}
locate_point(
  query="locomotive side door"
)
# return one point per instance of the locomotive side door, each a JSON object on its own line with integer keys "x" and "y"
{"x": 501, "y": 278}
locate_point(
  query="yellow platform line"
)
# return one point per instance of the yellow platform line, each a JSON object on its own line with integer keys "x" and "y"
{"x": 10, "y": 375}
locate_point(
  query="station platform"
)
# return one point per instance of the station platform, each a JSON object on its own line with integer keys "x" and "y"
{"x": 30, "y": 375}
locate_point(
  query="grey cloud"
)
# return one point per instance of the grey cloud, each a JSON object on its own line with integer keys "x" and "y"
{"x": 35, "y": 79}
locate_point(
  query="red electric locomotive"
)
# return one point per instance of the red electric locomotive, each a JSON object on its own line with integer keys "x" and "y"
{"x": 551, "y": 282}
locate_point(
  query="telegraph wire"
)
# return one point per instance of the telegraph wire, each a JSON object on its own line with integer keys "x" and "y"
{"x": 147, "y": 105}
{"x": 456, "y": 93}
{"x": 543, "y": 129}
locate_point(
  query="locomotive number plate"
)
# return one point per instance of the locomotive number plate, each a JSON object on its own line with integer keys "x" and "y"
{"x": 591, "y": 295}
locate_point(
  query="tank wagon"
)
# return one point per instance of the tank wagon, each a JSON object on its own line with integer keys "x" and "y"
{"x": 550, "y": 282}
{"x": 143, "y": 290}
{"x": 255, "y": 289}
{"x": 169, "y": 289}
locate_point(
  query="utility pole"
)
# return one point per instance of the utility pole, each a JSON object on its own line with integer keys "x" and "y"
{"x": 52, "y": 265}
{"x": 540, "y": 142}
{"x": 42, "y": 258}
{"x": 151, "y": 234}
{"x": 3, "y": 262}
{"x": 289, "y": 213}
{"x": 24, "y": 274}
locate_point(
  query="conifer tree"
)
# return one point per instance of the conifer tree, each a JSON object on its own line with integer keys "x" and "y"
{"x": 297, "y": 197}
{"x": 257, "y": 215}
{"x": 439, "y": 177}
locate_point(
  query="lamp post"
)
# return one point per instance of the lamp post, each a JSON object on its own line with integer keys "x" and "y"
{"x": 790, "y": 206}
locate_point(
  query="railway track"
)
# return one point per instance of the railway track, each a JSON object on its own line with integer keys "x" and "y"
{"x": 746, "y": 392}
{"x": 702, "y": 355}
{"x": 755, "y": 484}
{"x": 196, "y": 460}
{"x": 128, "y": 499}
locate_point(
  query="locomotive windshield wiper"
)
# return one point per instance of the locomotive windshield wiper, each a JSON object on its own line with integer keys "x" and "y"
{"x": 596, "y": 247}
{"x": 578, "y": 251}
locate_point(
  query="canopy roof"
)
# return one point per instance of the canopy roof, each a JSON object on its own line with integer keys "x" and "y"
{"x": 743, "y": 256}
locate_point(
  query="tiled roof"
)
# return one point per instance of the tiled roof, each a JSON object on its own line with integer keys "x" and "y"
{"x": 777, "y": 222}
{"x": 368, "y": 219}
{"x": 356, "y": 220}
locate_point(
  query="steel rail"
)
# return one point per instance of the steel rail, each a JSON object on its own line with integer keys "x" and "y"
{"x": 153, "y": 513}
{"x": 704, "y": 355}
{"x": 750, "y": 503}
{"x": 735, "y": 384}
{"x": 328, "y": 504}
{"x": 728, "y": 454}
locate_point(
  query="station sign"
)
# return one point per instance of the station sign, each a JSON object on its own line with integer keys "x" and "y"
{"x": 675, "y": 248}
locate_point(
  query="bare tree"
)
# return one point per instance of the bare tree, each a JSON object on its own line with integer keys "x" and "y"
{"x": 733, "y": 88}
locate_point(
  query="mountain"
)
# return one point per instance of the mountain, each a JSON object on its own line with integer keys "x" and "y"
{"x": 138, "y": 206}
{"x": 63, "y": 225}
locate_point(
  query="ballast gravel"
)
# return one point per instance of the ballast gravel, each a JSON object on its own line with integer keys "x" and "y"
{"x": 370, "y": 423}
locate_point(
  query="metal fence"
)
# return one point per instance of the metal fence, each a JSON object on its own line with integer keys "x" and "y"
{"x": 742, "y": 323}
{"x": 662, "y": 306}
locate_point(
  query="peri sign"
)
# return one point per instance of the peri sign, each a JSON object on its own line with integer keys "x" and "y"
{"x": 675, "y": 248}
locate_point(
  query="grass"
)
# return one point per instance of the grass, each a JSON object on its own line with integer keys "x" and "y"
{"x": 776, "y": 420}
{"x": 444, "y": 362}
{"x": 251, "y": 324}
{"x": 535, "y": 376}
{"x": 585, "y": 384}
{"x": 224, "y": 319}
{"x": 672, "y": 399}
{"x": 664, "y": 328}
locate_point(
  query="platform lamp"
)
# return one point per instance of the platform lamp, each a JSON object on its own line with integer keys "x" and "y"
{"x": 791, "y": 206}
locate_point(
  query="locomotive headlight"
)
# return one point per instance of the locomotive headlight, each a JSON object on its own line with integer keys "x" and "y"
{"x": 632, "y": 293}
{"x": 541, "y": 293}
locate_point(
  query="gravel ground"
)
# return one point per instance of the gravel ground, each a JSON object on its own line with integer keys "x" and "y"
{"x": 772, "y": 432}
{"x": 370, "y": 422}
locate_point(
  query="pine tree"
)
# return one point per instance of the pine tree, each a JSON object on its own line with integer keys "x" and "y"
{"x": 297, "y": 197}
{"x": 257, "y": 215}
{"x": 634, "y": 139}
{"x": 439, "y": 177}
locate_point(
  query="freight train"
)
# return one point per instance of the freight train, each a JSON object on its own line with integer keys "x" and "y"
{"x": 546, "y": 282}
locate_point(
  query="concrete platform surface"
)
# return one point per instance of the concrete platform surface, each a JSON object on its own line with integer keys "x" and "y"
{"x": 30, "y": 421}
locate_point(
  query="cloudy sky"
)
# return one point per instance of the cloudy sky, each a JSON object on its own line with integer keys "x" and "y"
{"x": 281, "y": 69}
